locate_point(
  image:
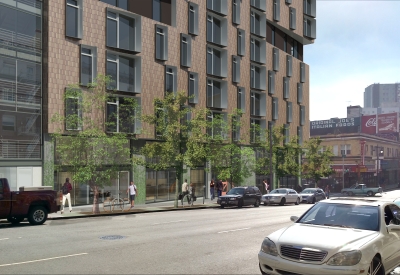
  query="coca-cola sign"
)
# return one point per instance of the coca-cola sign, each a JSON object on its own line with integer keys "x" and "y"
{"x": 368, "y": 124}
{"x": 387, "y": 123}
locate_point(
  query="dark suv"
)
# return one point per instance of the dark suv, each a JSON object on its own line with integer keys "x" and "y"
{"x": 241, "y": 196}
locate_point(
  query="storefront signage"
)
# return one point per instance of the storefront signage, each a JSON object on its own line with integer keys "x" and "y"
{"x": 334, "y": 123}
{"x": 387, "y": 123}
{"x": 368, "y": 124}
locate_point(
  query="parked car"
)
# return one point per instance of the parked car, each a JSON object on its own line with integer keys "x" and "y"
{"x": 312, "y": 195}
{"x": 281, "y": 196}
{"x": 33, "y": 203}
{"x": 241, "y": 196}
{"x": 338, "y": 236}
{"x": 362, "y": 189}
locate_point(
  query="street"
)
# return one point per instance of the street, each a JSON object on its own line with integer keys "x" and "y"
{"x": 209, "y": 241}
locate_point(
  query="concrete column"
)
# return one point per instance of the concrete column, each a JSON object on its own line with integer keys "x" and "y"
{"x": 48, "y": 160}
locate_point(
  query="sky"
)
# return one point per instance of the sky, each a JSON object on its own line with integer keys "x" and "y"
{"x": 357, "y": 44}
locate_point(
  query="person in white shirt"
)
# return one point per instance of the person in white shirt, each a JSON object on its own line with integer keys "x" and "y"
{"x": 185, "y": 191}
{"x": 132, "y": 191}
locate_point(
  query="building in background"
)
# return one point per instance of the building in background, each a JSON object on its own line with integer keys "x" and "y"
{"x": 227, "y": 54}
{"x": 382, "y": 95}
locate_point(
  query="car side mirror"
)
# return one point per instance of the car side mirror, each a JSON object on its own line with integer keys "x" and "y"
{"x": 294, "y": 218}
{"x": 393, "y": 228}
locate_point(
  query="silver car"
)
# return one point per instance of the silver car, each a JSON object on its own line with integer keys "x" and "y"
{"x": 281, "y": 196}
{"x": 312, "y": 195}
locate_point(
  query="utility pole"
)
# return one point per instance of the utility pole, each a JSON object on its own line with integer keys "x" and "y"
{"x": 271, "y": 175}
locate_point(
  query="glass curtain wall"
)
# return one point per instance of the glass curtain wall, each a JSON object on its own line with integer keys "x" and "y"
{"x": 160, "y": 185}
{"x": 20, "y": 79}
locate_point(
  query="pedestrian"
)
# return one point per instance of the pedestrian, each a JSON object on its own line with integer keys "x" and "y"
{"x": 192, "y": 193}
{"x": 220, "y": 186}
{"x": 185, "y": 191}
{"x": 212, "y": 186}
{"x": 66, "y": 191}
{"x": 132, "y": 191}
{"x": 327, "y": 191}
{"x": 266, "y": 185}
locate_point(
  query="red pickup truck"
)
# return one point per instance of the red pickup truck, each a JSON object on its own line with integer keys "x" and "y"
{"x": 33, "y": 203}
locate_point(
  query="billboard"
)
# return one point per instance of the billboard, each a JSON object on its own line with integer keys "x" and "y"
{"x": 368, "y": 124}
{"x": 334, "y": 126}
{"x": 387, "y": 123}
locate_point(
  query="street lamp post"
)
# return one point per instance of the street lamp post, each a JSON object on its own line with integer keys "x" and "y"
{"x": 377, "y": 164}
{"x": 343, "y": 156}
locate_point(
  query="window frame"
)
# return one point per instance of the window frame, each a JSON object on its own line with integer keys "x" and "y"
{"x": 241, "y": 99}
{"x": 302, "y": 116}
{"x": 260, "y": 83}
{"x": 136, "y": 111}
{"x": 262, "y": 23}
{"x": 161, "y": 50}
{"x": 77, "y": 111}
{"x": 262, "y": 104}
{"x": 193, "y": 14}
{"x": 271, "y": 82}
{"x": 299, "y": 93}
{"x": 93, "y": 55}
{"x": 263, "y": 126}
{"x": 235, "y": 69}
{"x": 241, "y": 42}
{"x": 211, "y": 17}
{"x": 236, "y": 12}
{"x": 193, "y": 95}
{"x": 309, "y": 27}
{"x": 79, "y": 18}
{"x": 300, "y": 134}
{"x": 262, "y": 50}
{"x": 186, "y": 61}
{"x": 137, "y": 87}
{"x": 12, "y": 118}
{"x": 223, "y": 96}
{"x": 292, "y": 18}
{"x": 171, "y": 70}
{"x": 302, "y": 72}
{"x": 275, "y": 59}
{"x": 286, "y": 87}
{"x": 289, "y": 112}
{"x": 277, "y": 10}
{"x": 218, "y": 6}
{"x": 275, "y": 108}
{"x": 223, "y": 66}
{"x": 289, "y": 65}
{"x": 210, "y": 119}
{"x": 259, "y": 4}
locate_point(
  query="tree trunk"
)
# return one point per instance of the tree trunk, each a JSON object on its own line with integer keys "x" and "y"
{"x": 95, "y": 188}
{"x": 178, "y": 183}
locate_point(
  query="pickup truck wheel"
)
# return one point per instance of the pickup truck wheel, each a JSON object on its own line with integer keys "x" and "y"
{"x": 15, "y": 220}
{"x": 37, "y": 215}
{"x": 350, "y": 194}
{"x": 370, "y": 194}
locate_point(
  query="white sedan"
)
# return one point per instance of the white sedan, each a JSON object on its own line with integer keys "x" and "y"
{"x": 343, "y": 236}
{"x": 281, "y": 196}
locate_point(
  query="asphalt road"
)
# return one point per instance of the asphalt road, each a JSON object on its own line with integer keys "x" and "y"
{"x": 209, "y": 241}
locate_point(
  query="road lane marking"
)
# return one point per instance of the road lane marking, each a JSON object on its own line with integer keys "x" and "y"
{"x": 4, "y": 239}
{"x": 169, "y": 222}
{"x": 233, "y": 230}
{"x": 47, "y": 259}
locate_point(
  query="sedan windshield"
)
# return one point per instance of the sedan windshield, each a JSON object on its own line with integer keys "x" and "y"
{"x": 308, "y": 191}
{"x": 236, "y": 191}
{"x": 343, "y": 215}
{"x": 278, "y": 191}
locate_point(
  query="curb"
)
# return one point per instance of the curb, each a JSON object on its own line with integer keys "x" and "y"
{"x": 130, "y": 213}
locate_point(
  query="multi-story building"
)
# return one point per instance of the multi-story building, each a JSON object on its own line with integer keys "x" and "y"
{"x": 227, "y": 54}
{"x": 382, "y": 95}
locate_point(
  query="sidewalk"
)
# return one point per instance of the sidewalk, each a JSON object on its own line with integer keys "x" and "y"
{"x": 85, "y": 211}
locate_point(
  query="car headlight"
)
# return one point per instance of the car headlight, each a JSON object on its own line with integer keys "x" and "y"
{"x": 233, "y": 199}
{"x": 347, "y": 258}
{"x": 269, "y": 247}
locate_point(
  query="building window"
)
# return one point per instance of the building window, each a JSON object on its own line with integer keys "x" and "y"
{"x": 309, "y": 27}
{"x": 88, "y": 64}
{"x": 236, "y": 12}
{"x": 345, "y": 149}
{"x": 275, "y": 112}
{"x": 273, "y": 36}
{"x": 309, "y": 7}
{"x": 258, "y": 50}
{"x": 124, "y": 30}
{"x": 217, "y": 60}
{"x": 289, "y": 67}
{"x": 286, "y": 87}
{"x": 171, "y": 79}
{"x": 216, "y": 124}
{"x": 161, "y": 42}
{"x": 219, "y": 6}
{"x": 235, "y": 128}
{"x": 122, "y": 115}
{"x": 275, "y": 59}
{"x": 302, "y": 115}
{"x": 235, "y": 69}
{"x": 300, "y": 134}
{"x": 257, "y": 130}
{"x": 193, "y": 18}
{"x": 241, "y": 99}
{"x": 123, "y": 4}
{"x": 258, "y": 104}
{"x": 289, "y": 113}
{"x": 73, "y": 18}
{"x": 302, "y": 72}
{"x": 277, "y": 10}
{"x": 271, "y": 82}
{"x": 8, "y": 123}
{"x": 157, "y": 10}
{"x": 295, "y": 47}
{"x": 241, "y": 45}
{"x": 286, "y": 134}
{"x": 257, "y": 77}
{"x": 125, "y": 71}
{"x": 186, "y": 50}
{"x": 288, "y": 2}
{"x": 73, "y": 112}
{"x": 285, "y": 43}
{"x": 217, "y": 29}
{"x": 259, "y": 4}
{"x": 193, "y": 88}
{"x": 299, "y": 93}
{"x": 292, "y": 18}
{"x": 258, "y": 23}
{"x": 216, "y": 93}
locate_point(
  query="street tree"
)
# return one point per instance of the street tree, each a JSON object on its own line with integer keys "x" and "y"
{"x": 180, "y": 137}
{"x": 87, "y": 142}
{"x": 317, "y": 162}
{"x": 230, "y": 157}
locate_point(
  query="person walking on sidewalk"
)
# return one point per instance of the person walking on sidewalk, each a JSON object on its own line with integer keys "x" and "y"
{"x": 192, "y": 193}
{"x": 266, "y": 185}
{"x": 185, "y": 192}
{"x": 220, "y": 186}
{"x": 212, "y": 186}
{"x": 327, "y": 191}
{"x": 66, "y": 191}
{"x": 132, "y": 190}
